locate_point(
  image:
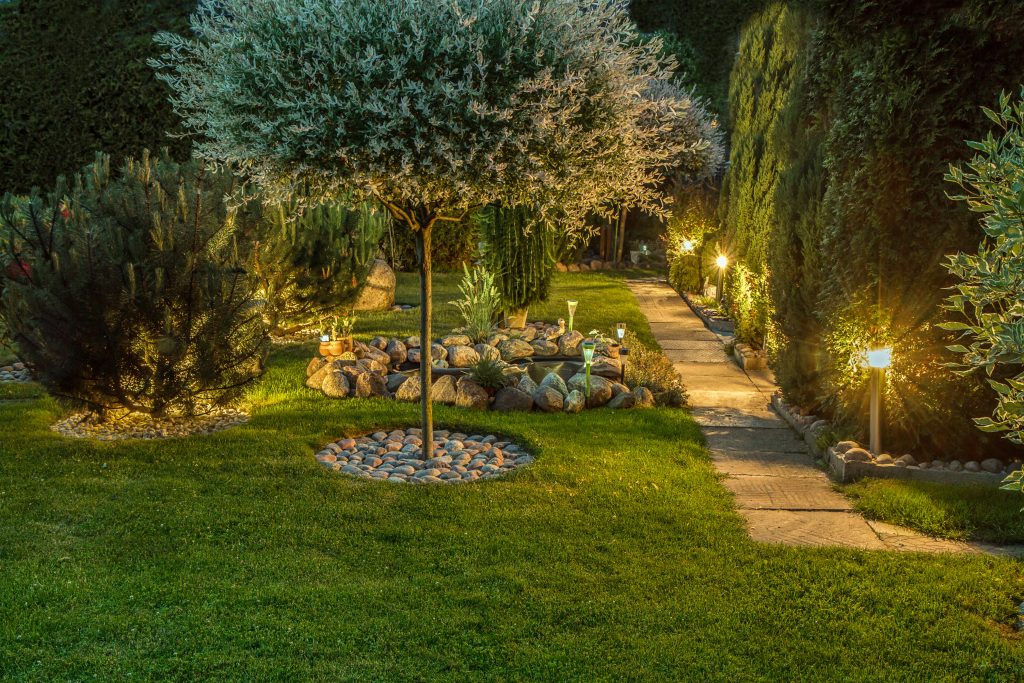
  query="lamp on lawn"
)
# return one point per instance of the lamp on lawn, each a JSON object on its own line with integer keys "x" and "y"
{"x": 877, "y": 361}
{"x": 588, "y": 358}
{"x": 620, "y": 332}
{"x": 571, "y": 303}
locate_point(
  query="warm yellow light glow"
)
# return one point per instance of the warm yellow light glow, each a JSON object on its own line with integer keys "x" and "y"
{"x": 687, "y": 245}
{"x": 722, "y": 261}
{"x": 879, "y": 358}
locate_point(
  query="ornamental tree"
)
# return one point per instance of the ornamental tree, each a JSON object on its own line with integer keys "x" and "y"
{"x": 432, "y": 107}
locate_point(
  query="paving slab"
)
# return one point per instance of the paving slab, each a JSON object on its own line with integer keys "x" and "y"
{"x": 670, "y": 330}
{"x": 821, "y": 529}
{"x": 742, "y": 439}
{"x": 764, "y": 464}
{"x": 898, "y": 538}
{"x": 732, "y": 417}
{"x": 692, "y": 345}
{"x": 743, "y": 401}
{"x": 786, "y": 493}
{"x": 712, "y": 354}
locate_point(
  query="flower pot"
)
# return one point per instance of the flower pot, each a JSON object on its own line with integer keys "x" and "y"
{"x": 613, "y": 350}
{"x": 336, "y": 347}
{"x": 516, "y": 320}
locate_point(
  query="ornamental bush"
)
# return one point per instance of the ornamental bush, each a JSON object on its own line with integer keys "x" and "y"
{"x": 136, "y": 297}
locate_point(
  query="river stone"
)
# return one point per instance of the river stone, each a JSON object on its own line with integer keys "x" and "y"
{"x": 375, "y": 354}
{"x": 569, "y": 343}
{"x": 496, "y": 339}
{"x": 906, "y": 460}
{"x": 606, "y": 367}
{"x": 543, "y": 347}
{"x": 469, "y": 394}
{"x": 316, "y": 380}
{"x": 438, "y": 352}
{"x": 554, "y": 381}
{"x": 623, "y": 400}
{"x": 409, "y": 391}
{"x": 514, "y": 349}
{"x": 487, "y": 352}
{"x": 600, "y": 389}
{"x": 526, "y": 385}
{"x": 644, "y": 397}
{"x": 884, "y": 459}
{"x": 992, "y": 465}
{"x": 315, "y": 365}
{"x": 378, "y": 293}
{"x": 335, "y": 384}
{"x": 412, "y": 342}
{"x": 512, "y": 399}
{"x": 462, "y": 355}
{"x": 371, "y": 384}
{"x": 574, "y": 402}
{"x": 456, "y": 340}
{"x": 844, "y": 446}
{"x": 397, "y": 351}
{"x": 955, "y": 466}
{"x": 972, "y": 466}
{"x": 415, "y": 355}
{"x": 380, "y": 343}
{"x": 548, "y": 399}
{"x": 443, "y": 390}
{"x": 857, "y": 455}
{"x": 395, "y": 380}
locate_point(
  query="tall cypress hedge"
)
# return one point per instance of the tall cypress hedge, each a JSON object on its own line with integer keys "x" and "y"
{"x": 837, "y": 186}
{"x": 74, "y": 81}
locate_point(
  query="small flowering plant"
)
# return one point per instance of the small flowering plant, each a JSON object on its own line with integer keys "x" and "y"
{"x": 341, "y": 327}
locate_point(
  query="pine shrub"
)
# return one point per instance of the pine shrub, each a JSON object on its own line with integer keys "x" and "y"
{"x": 136, "y": 297}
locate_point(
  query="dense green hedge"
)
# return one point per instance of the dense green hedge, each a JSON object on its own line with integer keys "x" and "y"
{"x": 836, "y": 183}
{"x": 74, "y": 80}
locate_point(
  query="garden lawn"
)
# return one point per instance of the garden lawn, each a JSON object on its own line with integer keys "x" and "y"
{"x": 617, "y": 555}
{"x": 958, "y": 512}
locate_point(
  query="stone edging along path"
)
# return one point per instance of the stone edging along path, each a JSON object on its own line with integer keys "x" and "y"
{"x": 783, "y": 496}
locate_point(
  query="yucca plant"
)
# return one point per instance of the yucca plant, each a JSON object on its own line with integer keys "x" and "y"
{"x": 480, "y": 299}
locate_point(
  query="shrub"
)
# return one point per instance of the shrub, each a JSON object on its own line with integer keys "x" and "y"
{"x": 488, "y": 373}
{"x": 480, "y": 299}
{"x": 688, "y": 233}
{"x": 136, "y": 297}
{"x": 74, "y": 80}
{"x": 650, "y": 367}
{"x": 311, "y": 260}
{"x": 521, "y": 251}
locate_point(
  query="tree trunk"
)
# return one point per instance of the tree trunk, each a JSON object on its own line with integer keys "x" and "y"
{"x": 620, "y": 235}
{"x": 426, "y": 340}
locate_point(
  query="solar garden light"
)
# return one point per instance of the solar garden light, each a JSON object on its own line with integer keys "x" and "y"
{"x": 877, "y": 361}
{"x": 588, "y": 358}
{"x": 620, "y": 332}
{"x": 687, "y": 246}
{"x": 722, "y": 262}
{"x": 572, "y": 311}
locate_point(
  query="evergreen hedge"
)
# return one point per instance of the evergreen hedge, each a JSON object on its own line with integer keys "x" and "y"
{"x": 74, "y": 80}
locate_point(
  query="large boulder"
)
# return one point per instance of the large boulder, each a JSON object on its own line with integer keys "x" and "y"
{"x": 574, "y": 402}
{"x": 600, "y": 389}
{"x": 569, "y": 343}
{"x": 543, "y": 347}
{"x": 512, "y": 399}
{"x": 316, "y": 380}
{"x": 378, "y": 293}
{"x": 548, "y": 400}
{"x": 457, "y": 340}
{"x": 553, "y": 380}
{"x": 644, "y": 397}
{"x": 315, "y": 365}
{"x": 395, "y": 380}
{"x": 443, "y": 390}
{"x": 487, "y": 352}
{"x": 606, "y": 367}
{"x": 335, "y": 384}
{"x": 462, "y": 356}
{"x": 526, "y": 384}
{"x": 624, "y": 400}
{"x": 409, "y": 391}
{"x": 371, "y": 384}
{"x": 397, "y": 351}
{"x": 514, "y": 349}
{"x": 469, "y": 394}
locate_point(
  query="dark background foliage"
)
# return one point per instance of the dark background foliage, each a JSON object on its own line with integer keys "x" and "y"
{"x": 74, "y": 81}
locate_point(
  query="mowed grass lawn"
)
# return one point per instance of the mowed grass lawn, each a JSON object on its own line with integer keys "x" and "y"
{"x": 616, "y": 556}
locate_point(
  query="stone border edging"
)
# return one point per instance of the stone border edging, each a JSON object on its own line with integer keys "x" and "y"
{"x": 850, "y": 471}
{"x": 717, "y": 326}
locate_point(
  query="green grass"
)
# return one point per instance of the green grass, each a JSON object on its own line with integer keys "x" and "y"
{"x": 616, "y": 556}
{"x": 957, "y": 512}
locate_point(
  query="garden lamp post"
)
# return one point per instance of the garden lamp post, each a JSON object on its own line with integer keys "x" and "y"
{"x": 722, "y": 262}
{"x": 687, "y": 247}
{"x": 620, "y": 332}
{"x": 571, "y": 303}
{"x": 878, "y": 361}
{"x": 588, "y": 358}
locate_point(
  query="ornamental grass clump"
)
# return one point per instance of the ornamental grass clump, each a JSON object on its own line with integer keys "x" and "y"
{"x": 480, "y": 300}
{"x": 137, "y": 298}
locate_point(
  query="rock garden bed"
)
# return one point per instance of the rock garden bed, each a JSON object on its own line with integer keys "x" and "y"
{"x": 140, "y": 426}
{"x": 848, "y": 461}
{"x": 539, "y": 367}
{"x": 398, "y": 457}
{"x": 15, "y": 372}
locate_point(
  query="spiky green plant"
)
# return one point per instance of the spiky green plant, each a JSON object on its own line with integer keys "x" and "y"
{"x": 480, "y": 300}
{"x": 521, "y": 249}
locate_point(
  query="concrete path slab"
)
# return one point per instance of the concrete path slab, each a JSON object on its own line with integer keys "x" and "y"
{"x": 780, "y": 492}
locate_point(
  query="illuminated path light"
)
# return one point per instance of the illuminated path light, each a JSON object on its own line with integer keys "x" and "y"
{"x": 877, "y": 360}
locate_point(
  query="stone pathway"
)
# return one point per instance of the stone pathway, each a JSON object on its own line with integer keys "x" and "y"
{"x": 784, "y": 497}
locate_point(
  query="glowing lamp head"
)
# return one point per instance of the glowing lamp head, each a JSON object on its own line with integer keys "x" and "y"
{"x": 588, "y": 351}
{"x": 687, "y": 246}
{"x": 572, "y": 306}
{"x": 879, "y": 358}
{"x": 722, "y": 261}
{"x": 620, "y": 330}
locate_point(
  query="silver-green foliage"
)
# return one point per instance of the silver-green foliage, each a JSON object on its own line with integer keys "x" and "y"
{"x": 990, "y": 291}
{"x": 439, "y": 106}
{"x": 480, "y": 301}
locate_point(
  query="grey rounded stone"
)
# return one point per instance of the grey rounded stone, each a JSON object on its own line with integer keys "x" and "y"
{"x": 510, "y": 399}
{"x": 993, "y": 465}
{"x": 543, "y": 347}
{"x": 884, "y": 459}
{"x": 644, "y": 397}
{"x": 335, "y": 385}
{"x": 397, "y": 352}
{"x": 548, "y": 399}
{"x": 857, "y": 455}
{"x": 623, "y": 400}
{"x": 954, "y": 466}
{"x": 487, "y": 352}
{"x": 972, "y": 466}
{"x": 574, "y": 402}
{"x": 844, "y": 446}
{"x": 469, "y": 394}
{"x": 554, "y": 381}
{"x": 906, "y": 460}
{"x": 514, "y": 349}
